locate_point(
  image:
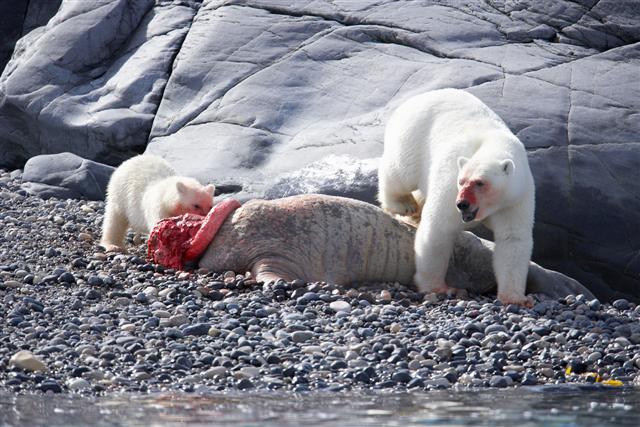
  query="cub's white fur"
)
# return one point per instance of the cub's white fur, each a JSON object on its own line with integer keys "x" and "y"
{"x": 444, "y": 149}
{"x": 145, "y": 189}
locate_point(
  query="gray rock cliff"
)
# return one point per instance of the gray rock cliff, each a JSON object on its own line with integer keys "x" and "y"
{"x": 280, "y": 97}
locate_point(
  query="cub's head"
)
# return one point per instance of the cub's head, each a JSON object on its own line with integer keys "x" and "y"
{"x": 193, "y": 197}
{"x": 481, "y": 187}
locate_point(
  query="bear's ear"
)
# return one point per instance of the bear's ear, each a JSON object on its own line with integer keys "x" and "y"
{"x": 507, "y": 166}
{"x": 181, "y": 187}
{"x": 461, "y": 162}
{"x": 210, "y": 189}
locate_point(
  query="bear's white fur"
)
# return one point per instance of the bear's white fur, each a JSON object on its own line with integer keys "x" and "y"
{"x": 145, "y": 189}
{"x": 444, "y": 149}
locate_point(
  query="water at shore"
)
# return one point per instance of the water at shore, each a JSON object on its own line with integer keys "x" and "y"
{"x": 526, "y": 407}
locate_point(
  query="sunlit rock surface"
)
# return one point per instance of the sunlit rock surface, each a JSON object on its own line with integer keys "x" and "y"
{"x": 262, "y": 95}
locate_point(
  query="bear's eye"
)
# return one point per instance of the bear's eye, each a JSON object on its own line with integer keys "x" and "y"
{"x": 196, "y": 206}
{"x": 479, "y": 184}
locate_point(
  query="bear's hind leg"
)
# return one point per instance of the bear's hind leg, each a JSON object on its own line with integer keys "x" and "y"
{"x": 394, "y": 197}
{"x": 114, "y": 229}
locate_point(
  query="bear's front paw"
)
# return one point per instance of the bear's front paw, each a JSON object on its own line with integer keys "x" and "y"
{"x": 521, "y": 300}
{"x": 431, "y": 286}
{"x": 404, "y": 206}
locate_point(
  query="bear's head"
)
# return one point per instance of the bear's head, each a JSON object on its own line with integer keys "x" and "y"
{"x": 193, "y": 197}
{"x": 482, "y": 185}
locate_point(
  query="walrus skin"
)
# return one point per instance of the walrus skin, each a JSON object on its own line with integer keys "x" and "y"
{"x": 319, "y": 238}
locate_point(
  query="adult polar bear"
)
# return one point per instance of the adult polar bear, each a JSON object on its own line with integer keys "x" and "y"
{"x": 448, "y": 151}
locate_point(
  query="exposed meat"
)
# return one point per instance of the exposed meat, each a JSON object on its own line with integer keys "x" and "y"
{"x": 175, "y": 241}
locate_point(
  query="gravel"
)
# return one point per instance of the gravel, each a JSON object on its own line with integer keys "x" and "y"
{"x": 77, "y": 320}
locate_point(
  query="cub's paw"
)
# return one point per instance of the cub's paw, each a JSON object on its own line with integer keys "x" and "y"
{"x": 108, "y": 247}
{"x": 404, "y": 206}
{"x": 521, "y": 300}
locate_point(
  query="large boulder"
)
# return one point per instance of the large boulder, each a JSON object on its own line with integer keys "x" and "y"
{"x": 66, "y": 176}
{"x": 279, "y": 97}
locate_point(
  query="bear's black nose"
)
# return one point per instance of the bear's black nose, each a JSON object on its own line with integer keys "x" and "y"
{"x": 463, "y": 205}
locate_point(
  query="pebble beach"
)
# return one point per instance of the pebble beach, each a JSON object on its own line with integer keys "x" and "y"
{"x": 77, "y": 320}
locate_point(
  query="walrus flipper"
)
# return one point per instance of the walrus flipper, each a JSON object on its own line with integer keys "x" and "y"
{"x": 271, "y": 270}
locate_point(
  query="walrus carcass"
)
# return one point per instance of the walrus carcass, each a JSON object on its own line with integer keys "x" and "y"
{"x": 339, "y": 240}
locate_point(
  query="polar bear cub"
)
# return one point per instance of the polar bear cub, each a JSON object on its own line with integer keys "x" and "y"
{"x": 145, "y": 189}
{"x": 446, "y": 152}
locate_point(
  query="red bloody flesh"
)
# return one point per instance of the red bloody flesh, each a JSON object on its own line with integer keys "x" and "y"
{"x": 467, "y": 193}
{"x": 212, "y": 223}
{"x": 174, "y": 241}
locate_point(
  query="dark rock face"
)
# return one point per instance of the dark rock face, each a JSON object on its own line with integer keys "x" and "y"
{"x": 266, "y": 95}
{"x": 17, "y": 18}
{"x": 12, "y": 16}
{"x": 91, "y": 80}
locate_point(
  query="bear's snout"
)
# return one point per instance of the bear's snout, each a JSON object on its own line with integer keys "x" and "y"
{"x": 463, "y": 205}
{"x": 466, "y": 209}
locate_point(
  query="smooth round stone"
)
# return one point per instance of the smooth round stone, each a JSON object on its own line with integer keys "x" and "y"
{"x": 416, "y": 382}
{"x": 401, "y": 377}
{"x": 541, "y": 330}
{"x": 301, "y": 336}
{"x": 415, "y": 365}
{"x": 178, "y": 320}
{"x": 438, "y": 382}
{"x": 310, "y": 349}
{"x": 77, "y": 384}
{"x": 128, "y": 327}
{"x": 547, "y": 372}
{"x": 340, "y": 305}
{"x": 140, "y": 376}
{"x": 500, "y": 381}
{"x": 244, "y": 384}
{"x": 385, "y": 295}
{"x": 13, "y": 284}
{"x": 95, "y": 281}
{"x": 141, "y": 297}
{"x": 85, "y": 237}
{"x": 50, "y": 385}
{"x": 529, "y": 379}
{"x": 174, "y": 333}
{"x": 216, "y": 371}
{"x": 198, "y": 329}
{"x": 247, "y": 372}
{"x": 28, "y": 361}
{"x": 622, "y": 341}
{"x": 164, "y": 292}
{"x": 358, "y": 363}
{"x": 594, "y": 357}
{"x": 151, "y": 291}
{"x": 92, "y": 294}
{"x": 67, "y": 277}
{"x": 162, "y": 314}
{"x": 621, "y": 304}
{"x": 495, "y": 328}
{"x": 350, "y": 355}
{"x": 338, "y": 364}
{"x": 122, "y": 301}
{"x": 594, "y": 305}
{"x": 395, "y": 328}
